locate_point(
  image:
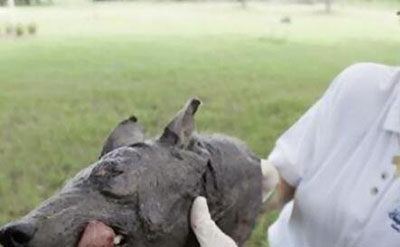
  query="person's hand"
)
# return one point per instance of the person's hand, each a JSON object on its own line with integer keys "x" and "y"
{"x": 207, "y": 232}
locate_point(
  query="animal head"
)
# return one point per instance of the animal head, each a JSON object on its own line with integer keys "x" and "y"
{"x": 141, "y": 190}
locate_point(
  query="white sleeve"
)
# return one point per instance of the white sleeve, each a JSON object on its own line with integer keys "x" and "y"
{"x": 295, "y": 144}
{"x": 342, "y": 114}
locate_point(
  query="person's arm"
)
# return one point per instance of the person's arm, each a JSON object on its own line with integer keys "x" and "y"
{"x": 285, "y": 193}
{"x": 302, "y": 147}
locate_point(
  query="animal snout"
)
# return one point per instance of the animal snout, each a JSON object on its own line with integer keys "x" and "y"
{"x": 17, "y": 234}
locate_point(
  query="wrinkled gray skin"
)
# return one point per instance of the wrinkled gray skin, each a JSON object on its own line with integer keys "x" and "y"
{"x": 145, "y": 189}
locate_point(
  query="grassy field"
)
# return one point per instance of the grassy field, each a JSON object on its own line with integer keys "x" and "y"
{"x": 91, "y": 65}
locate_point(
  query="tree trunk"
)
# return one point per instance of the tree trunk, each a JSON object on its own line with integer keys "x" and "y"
{"x": 11, "y": 3}
{"x": 243, "y": 3}
{"x": 328, "y": 6}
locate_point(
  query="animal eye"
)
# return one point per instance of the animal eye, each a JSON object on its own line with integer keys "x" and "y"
{"x": 110, "y": 180}
{"x": 113, "y": 176}
{"x": 108, "y": 169}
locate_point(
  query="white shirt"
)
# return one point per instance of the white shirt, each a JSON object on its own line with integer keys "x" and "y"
{"x": 339, "y": 157}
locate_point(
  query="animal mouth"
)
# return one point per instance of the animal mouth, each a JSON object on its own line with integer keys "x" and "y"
{"x": 98, "y": 234}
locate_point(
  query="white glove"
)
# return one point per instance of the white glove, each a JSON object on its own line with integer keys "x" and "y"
{"x": 207, "y": 232}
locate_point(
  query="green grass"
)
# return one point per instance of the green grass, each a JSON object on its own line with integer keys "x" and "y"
{"x": 90, "y": 66}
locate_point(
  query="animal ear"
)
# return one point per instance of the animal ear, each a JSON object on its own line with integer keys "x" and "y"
{"x": 179, "y": 131}
{"x": 126, "y": 133}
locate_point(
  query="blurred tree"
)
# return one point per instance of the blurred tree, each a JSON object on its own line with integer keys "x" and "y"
{"x": 327, "y": 3}
{"x": 11, "y": 3}
{"x": 24, "y": 2}
{"x": 328, "y": 6}
{"x": 306, "y": 1}
{"x": 243, "y": 3}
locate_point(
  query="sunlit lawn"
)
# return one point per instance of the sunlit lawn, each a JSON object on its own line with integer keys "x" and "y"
{"x": 90, "y": 66}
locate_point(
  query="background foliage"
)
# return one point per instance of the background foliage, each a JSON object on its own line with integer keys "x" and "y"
{"x": 91, "y": 65}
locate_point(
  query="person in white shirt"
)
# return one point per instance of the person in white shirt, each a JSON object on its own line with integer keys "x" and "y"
{"x": 339, "y": 166}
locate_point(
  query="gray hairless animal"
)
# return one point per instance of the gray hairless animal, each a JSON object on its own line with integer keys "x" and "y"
{"x": 142, "y": 190}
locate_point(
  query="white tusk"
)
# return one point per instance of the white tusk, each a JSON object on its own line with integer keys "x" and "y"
{"x": 118, "y": 239}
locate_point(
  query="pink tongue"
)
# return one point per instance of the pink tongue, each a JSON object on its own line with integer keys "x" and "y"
{"x": 97, "y": 234}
